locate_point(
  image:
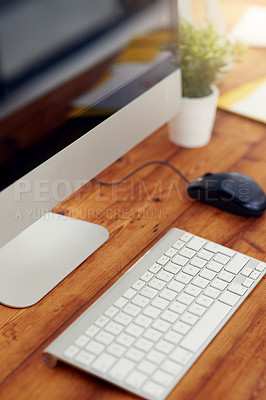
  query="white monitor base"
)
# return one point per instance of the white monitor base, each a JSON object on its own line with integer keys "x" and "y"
{"x": 36, "y": 260}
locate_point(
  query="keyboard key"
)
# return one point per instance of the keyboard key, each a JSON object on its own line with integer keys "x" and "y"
{"x": 196, "y": 243}
{"x": 164, "y": 346}
{"x": 102, "y": 321}
{"x": 152, "y": 334}
{"x": 185, "y": 298}
{"x": 138, "y": 284}
{"x": 129, "y": 293}
{"x": 229, "y": 298}
{"x": 179, "y": 244}
{"x": 170, "y": 252}
{"x": 206, "y": 255}
{"x": 180, "y": 260}
{"x": 215, "y": 266}
{"x": 147, "y": 367}
{"x": 186, "y": 237}
{"x": 152, "y": 312}
{"x": 140, "y": 301}
{"x": 122, "y": 318}
{"x": 173, "y": 268}
{"x": 181, "y": 327}
{"x": 85, "y": 358}
{"x": 163, "y": 260}
{"x": 143, "y": 320}
{"x": 177, "y": 307}
{"x": 95, "y": 347}
{"x": 132, "y": 309}
{"x": 153, "y": 390}
{"x": 120, "y": 302}
{"x": 155, "y": 356}
{"x": 82, "y": 340}
{"x": 113, "y": 328}
{"x": 200, "y": 282}
{"x": 246, "y": 271}
{"x": 260, "y": 267}
{"x": 221, "y": 258}
{"x": 160, "y": 303}
{"x": 104, "y": 337}
{"x": 204, "y": 301}
{"x": 111, "y": 312}
{"x": 92, "y": 330}
{"x": 148, "y": 292}
{"x": 219, "y": 284}
{"x": 193, "y": 290}
{"x": 189, "y": 318}
{"x": 248, "y": 282}
{"x": 125, "y": 339}
{"x": 183, "y": 278}
{"x": 215, "y": 248}
{"x": 197, "y": 309}
{"x": 226, "y": 276}
{"x": 146, "y": 277}
{"x": 173, "y": 337}
{"x": 198, "y": 262}
{"x": 187, "y": 252}
{"x": 143, "y": 344}
{"x": 205, "y": 327}
{"x": 207, "y": 274}
{"x": 104, "y": 362}
{"x": 237, "y": 263}
{"x": 136, "y": 379}
{"x": 254, "y": 274}
{"x": 116, "y": 349}
{"x": 163, "y": 378}
{"x": 165, "y": 276}
{"x": 134, "y": 330}
{"x": 212, "y": 292}
{"x": 71, "y": 351}
{"x": 171, "y": 367}
{"x": 176, "y": 286}
{"x": 191, "y": 270}
{"x": 155, "y": 268}
{"x": 169, "y": 316}
{"x": 121, "y": 369}
{"x": 237, "y": 289}
{"x": 135, "y": 354}
{"x": 168, "y": 294}
{"x": 181, "y": 356}
{"x": 161, "y": 325}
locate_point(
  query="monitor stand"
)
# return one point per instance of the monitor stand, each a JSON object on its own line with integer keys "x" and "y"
{"x": 36, "y": 260}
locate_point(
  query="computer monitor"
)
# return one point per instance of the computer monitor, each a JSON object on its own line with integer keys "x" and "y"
{"x": 81, "y": 83}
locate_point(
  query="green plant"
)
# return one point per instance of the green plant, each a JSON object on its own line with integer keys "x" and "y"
{"x": 204, "y": 55}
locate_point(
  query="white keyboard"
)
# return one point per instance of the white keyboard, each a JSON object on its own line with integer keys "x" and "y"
{"x": 148, "y": 329}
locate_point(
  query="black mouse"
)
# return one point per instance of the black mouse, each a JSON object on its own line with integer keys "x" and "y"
{"x": 234, "y": 192}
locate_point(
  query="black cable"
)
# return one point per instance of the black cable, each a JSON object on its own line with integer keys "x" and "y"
{"x": 138, "y": 169}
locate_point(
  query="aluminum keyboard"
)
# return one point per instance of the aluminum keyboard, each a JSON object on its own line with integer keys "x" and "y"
{"x": 148, "y": 329}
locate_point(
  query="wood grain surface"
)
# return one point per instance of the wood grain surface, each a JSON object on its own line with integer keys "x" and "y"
{"x": 137, "y": 213}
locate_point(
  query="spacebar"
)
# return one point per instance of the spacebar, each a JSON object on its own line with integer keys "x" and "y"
{"x": 205, "y": 327}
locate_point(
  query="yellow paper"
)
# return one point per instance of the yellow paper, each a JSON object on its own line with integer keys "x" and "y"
{"x": 248, "y": 100}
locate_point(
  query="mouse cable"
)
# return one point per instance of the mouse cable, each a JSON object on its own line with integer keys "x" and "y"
{"x": 138, "y": 169}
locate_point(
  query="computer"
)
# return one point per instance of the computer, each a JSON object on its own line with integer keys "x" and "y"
{"x": 80, "y": 84}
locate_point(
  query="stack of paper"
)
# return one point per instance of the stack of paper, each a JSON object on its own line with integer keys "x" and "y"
{"x": 248, "y": 100}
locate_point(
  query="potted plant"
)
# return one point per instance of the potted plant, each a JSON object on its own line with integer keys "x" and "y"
{"x": 204, "y": 55}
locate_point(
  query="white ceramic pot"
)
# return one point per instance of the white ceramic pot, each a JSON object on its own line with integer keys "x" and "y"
{"x": 192, "y": 126}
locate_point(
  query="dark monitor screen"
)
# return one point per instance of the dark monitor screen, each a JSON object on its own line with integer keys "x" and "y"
{"x": 66, "y": 66}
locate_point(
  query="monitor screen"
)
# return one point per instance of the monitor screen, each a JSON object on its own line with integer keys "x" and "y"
{"x": 66, "y": 66}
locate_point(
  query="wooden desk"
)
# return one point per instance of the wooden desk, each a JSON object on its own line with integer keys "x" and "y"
{"x": 137, "y": 214}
